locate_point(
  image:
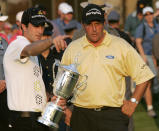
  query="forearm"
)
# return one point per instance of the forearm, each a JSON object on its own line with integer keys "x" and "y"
{"x": 139, "y": 91}
{"x": 36, "y": 48}
{"x": 139, "y": 46}
{"x": 2, "y": 85}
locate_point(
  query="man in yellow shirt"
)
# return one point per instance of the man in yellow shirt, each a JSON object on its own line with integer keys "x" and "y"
{"x": 106, "y": 60}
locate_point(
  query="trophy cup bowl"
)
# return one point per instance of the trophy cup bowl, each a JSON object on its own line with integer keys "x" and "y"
{"x": 64, "y": 84}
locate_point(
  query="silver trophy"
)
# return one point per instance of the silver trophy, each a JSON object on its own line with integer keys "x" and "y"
{"x": 65, "y": 83}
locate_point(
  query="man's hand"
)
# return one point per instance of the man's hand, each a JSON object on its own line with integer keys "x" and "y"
{"x": 68, "y": 114}
{"x": 61, "y": 102}
{"x": 128, "y": 108}
{"x": 2, "y": 85}
{"x": 156, "y": 13}
{"x": 60, "y": 43}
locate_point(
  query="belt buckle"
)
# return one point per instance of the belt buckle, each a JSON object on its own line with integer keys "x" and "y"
{"x": 97, "y": 109}
{"x": 25, "y": 114}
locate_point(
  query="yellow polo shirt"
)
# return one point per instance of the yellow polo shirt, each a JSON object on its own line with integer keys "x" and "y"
{"x": 106, "y": 67}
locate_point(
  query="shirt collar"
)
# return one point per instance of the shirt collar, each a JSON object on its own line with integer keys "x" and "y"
{"x": 106, "y": 41}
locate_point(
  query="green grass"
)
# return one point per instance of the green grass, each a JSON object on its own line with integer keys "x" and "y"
{"x": 142, "y": 121}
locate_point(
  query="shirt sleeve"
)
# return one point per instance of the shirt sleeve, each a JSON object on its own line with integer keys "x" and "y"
{"x": 139, "y": 31}
{"x": 17, "y": 50}
{"x": 136, "y": 67}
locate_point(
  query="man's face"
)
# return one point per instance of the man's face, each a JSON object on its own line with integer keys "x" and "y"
{"x": 94, "y": 31}
{"x": 140, "y": 16}
{"x": 149, "y": 17}
{"x": 68, "y": 17}
{"x": 33, "y": 33}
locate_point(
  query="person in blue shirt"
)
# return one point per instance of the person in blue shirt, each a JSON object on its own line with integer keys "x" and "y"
{"x": 144, "y": 35}
{"x": 134, "y": 19}
{"x": 65, "y": 12}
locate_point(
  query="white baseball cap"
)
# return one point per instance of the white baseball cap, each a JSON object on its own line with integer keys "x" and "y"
{"x": 157, "y": 4}
{"x": 65, "y": 8}
{"x": 147, "y": 9}
{"x": 3, "y": 17}
{"x": 19, "y": 16}
{"x": 105, "y": 6}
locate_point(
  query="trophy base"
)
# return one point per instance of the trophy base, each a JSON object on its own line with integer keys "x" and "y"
{"x": 48, "y": 123}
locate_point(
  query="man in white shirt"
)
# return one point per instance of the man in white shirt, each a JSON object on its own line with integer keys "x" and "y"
{"x": 25, "y": 87}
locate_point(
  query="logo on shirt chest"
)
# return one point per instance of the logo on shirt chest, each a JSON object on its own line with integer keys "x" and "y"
{"x": 109, "y": 57}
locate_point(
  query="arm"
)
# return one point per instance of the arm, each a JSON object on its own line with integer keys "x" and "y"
{"x": 140, "y": 73}
{"x": 38, "y": 47}
{"x": 140, "y": 48}
{"x": 129, "y": 107}
{"x": 68, "y": 114}
{"x": 2, "y": 85}
{"x": 156, "y": 13}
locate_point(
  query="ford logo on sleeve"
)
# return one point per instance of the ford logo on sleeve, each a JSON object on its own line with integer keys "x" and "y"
{"x": 109, "y": 57}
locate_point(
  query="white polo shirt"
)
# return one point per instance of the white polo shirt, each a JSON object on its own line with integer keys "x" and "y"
{"x": 25, "y": 87}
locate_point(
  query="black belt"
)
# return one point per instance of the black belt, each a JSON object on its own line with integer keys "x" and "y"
{"x": 25, "y": 113}
{"x": 98, "y": 109}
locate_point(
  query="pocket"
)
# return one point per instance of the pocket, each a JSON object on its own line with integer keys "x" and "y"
{"x": 124, "y": 116}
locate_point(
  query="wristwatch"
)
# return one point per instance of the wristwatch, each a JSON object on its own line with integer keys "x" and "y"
{"x": 134, "y": 100}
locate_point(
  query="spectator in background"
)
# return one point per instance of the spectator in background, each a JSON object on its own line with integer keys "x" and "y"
{"x": 4, "y": 111}
{"x": 155, "y": 51}
{"x": 70, "y": 29}
{"x": 144, "y": 34}
{"x": 134, "y": 20}
{"x": 16, "y": 29}
{"x": 3, "y": 18}
{"x": 66, "y": 17}
{"x": 156, "y": 13}
{"x": 7, "y": 30}
{"x": 18, "y": 19}
{"x": 114, "y": 22}
{"x": 155, "y": 47}
{"x": 57, "y": 21}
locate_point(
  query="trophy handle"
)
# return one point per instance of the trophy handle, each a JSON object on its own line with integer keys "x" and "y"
{"x": 84, "y": 82}
{"x": 56, "y": 63}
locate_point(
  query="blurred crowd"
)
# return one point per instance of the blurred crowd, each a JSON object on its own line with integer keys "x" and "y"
{"x": 141, "y": 30}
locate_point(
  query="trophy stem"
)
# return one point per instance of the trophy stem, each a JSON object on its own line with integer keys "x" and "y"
{"x": 57, "y": 100}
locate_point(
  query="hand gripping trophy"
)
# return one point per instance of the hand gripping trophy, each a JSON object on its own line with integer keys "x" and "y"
{"x": 65, "y": 83}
